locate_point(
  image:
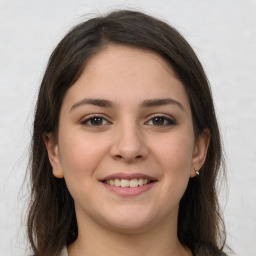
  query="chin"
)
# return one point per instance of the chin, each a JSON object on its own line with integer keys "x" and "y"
{"x": 129, "y": 221}
{"x": 129, "y": 227}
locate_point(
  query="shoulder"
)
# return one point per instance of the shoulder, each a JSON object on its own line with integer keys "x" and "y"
{"x": 64, "y": 252}
{"x": 208, "y": 250}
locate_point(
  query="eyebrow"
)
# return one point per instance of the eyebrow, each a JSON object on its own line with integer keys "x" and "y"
{"x": 146, "y": 103}
{"x": 95, "y": 102}
{"x": 161, "y": 102}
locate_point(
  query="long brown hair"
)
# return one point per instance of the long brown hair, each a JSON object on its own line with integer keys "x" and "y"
{"x": 51, "y": 220}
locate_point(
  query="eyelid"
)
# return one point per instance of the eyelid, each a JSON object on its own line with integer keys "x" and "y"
{"x": 87, "y": 118}
{"x": 170, "y": 119}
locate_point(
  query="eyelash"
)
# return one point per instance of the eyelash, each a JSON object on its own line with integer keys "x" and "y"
{"x": 91, "y": 118}
{"x": 167, "y": 121}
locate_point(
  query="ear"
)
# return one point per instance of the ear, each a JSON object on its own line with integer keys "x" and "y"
{"x": 200, "y": 152}
{"x": 53, "y": 155}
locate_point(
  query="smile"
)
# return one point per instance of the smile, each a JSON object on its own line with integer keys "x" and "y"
{"x": 125, "y": 183}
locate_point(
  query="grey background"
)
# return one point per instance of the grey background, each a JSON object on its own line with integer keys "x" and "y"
{"x": 223, "y": 34}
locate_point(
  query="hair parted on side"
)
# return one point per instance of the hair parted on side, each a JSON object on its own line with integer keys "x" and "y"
{"x": 51, "y": 220}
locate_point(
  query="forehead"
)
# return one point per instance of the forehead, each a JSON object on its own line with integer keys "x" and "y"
{"x": 126, "y": 60}
{"x": 127, "y": 74}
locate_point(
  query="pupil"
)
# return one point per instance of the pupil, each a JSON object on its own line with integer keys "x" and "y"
{"x": 96, "y": 121}
{"x": 158, "y": 121}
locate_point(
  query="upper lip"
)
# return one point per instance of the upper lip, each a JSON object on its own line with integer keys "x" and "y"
{"x": 127, "y": 176}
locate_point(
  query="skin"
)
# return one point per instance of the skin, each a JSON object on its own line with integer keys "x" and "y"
{"x": 127, "y": 139}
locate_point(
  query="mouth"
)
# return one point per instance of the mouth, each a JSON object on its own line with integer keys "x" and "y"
{"x": 128, "y": 180}
{"x": 128, "y": 183}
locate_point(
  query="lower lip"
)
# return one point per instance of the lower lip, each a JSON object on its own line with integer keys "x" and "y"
{"x": 127, "y": 191}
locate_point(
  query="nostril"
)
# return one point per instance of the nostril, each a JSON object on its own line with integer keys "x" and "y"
{"x": 138, "y": 157}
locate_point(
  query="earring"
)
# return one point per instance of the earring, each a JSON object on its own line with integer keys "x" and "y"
{"x": 197, "y": 172}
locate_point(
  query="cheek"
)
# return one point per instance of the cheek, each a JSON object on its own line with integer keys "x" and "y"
{"x": 174, "y": 155}
{"x": 175, "y": 152}
{"x": 81, "y": 154}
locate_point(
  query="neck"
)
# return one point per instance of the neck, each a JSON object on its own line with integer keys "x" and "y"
{"x": 94, "y": 240}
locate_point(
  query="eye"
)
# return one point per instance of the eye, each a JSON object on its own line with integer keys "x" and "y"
{"x": 161, "y": 121}
{"x": 95, "y": 121}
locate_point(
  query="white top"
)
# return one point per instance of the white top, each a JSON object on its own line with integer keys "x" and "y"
{"x": 64, "y": 252}
{"x": 202, "y": 252}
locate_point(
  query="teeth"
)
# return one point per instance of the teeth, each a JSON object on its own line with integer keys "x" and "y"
{"x": 134, "y": 183}
{"x": 127, "y": 183}
{"x": 117, "y": 183}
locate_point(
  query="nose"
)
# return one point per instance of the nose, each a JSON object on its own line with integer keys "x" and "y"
{"x": 129, "y": 144}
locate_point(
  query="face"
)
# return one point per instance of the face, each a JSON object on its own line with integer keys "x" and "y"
{"x": 126, "y": 145}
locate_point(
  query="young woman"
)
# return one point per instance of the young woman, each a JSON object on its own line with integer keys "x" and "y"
{"x": 126, "y": 148}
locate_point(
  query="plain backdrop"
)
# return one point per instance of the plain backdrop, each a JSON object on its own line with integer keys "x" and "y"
{"x": 223, "y": 34}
